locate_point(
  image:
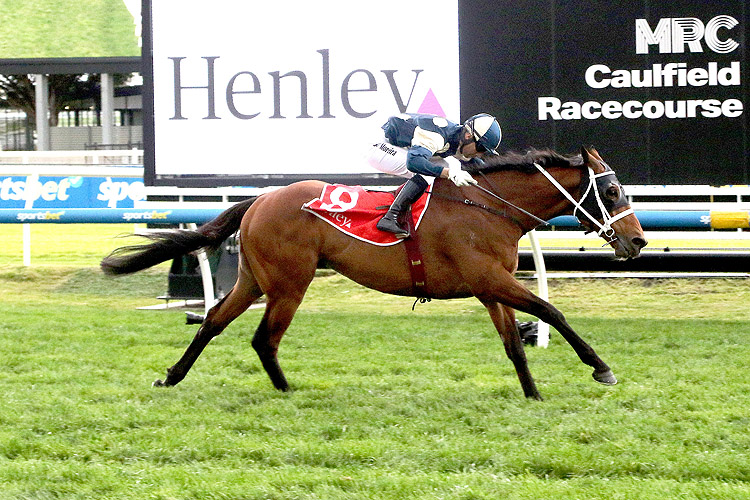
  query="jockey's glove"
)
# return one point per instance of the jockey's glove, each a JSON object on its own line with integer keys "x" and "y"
{"x": 459, "y": 177}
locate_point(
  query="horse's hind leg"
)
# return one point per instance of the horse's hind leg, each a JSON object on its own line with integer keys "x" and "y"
{"x": 244, "y": 293}
{"x": 504, "y": 319}
{"x": 278, "y": 316}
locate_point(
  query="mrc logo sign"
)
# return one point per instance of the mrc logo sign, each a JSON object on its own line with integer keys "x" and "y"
{"x": 673, "y": 35}
{"x": 660, "y": 87}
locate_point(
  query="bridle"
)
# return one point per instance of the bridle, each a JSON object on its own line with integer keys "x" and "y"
{"x": 594, "y": 180}
{"x": 605, "y": 228}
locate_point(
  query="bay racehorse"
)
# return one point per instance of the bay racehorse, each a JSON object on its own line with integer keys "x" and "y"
{"x": 468, "y": 238}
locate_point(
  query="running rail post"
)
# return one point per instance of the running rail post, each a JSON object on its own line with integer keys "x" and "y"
{"x": 31, "y": 180}
{"x": 208, "y": 286}
{"x": 542, "y": 338}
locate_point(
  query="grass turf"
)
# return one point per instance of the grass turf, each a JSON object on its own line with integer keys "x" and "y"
{"x": 386, "y": 403}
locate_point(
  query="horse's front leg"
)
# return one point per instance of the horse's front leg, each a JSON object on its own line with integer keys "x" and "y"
{"x": 504, "y": 288}
{"x": 504, "y": 319}
{"x": 549, "y": 314}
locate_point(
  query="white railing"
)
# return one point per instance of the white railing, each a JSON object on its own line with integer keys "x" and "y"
{"x": 111, "y": 164}
{"x": 73, "y": 158}
{"x": 658, "y": 191}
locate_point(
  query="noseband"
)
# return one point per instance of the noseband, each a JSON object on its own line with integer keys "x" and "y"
{"x": 594, "y": 181}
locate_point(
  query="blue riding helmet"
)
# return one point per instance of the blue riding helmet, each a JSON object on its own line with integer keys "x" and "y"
{"x": 485, "y": 130}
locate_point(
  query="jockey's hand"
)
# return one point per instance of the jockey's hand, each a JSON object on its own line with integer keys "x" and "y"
{"x": 474, "y": 162}
{"x": 459, "y": 177}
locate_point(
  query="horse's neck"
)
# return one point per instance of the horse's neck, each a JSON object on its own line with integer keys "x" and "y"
{"x": 558, "y": 203}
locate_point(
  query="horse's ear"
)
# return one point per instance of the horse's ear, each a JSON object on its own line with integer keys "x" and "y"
{"x": 585, "y": 155}
{"x": 591, "y": 158}
{"x": 593, "y": 152}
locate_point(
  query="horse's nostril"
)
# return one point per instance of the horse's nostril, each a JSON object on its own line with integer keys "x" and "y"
{"x": 640, "y": 242}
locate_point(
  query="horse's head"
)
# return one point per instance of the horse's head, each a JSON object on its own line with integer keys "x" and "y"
{"x": 604, "y": 199}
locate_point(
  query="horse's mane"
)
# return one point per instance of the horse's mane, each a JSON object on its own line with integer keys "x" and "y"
{"x": 524, "y": 162}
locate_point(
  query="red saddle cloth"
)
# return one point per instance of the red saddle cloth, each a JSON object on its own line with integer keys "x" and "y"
{"x": 355, "y": 211}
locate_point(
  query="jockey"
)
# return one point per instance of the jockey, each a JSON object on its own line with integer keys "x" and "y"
{"x": 419, "y": 144}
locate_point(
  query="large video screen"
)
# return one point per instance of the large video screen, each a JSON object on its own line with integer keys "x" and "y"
{"x": 248, "y": 93}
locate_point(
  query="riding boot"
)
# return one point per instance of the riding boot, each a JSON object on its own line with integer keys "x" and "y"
{"x": 410, "y": 192}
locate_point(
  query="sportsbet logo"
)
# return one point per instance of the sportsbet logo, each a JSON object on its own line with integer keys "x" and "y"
{"x": 40, "y": 216}
{"x": 149, "y": 215}
{"x": 31, "y": 189}
{"x": 114, "y": 191}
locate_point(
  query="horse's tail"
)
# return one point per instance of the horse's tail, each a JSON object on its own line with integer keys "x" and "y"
{"x": 166, "y": 245}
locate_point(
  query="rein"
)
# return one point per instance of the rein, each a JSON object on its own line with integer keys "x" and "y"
{"x": 506, "y": 201}
{"x": 491, "y": 210}
{"x": 470, "y": 203}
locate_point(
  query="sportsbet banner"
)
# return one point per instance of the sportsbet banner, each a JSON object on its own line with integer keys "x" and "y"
{"x": 70, "y": 192}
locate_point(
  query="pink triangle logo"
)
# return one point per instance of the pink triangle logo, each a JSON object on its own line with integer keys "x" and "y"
{"x": 431, "y": 106}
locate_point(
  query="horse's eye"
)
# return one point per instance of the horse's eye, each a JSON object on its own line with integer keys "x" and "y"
{"x": 613, "y": 192}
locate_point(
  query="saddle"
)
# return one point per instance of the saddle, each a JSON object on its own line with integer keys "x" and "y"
{"x": 355, "y": 211}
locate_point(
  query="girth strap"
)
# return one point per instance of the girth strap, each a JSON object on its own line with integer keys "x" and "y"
{"x": 414, "y": 257}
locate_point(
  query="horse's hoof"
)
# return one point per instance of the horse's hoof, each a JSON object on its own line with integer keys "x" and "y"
{"x": 606, "y": 378}
{"x": 158, "y": 383}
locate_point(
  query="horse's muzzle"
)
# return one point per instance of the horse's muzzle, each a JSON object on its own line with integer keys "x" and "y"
{"x": 628, "y": 248}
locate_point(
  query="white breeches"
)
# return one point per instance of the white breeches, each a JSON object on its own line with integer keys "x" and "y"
{"x": 391, "y": 159}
